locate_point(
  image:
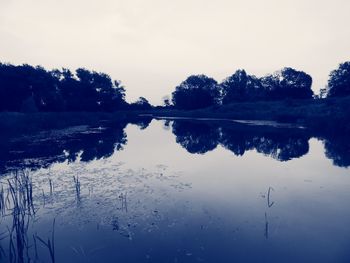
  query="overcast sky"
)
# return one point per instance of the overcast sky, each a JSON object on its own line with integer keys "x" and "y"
{"x": 152, "y": 45}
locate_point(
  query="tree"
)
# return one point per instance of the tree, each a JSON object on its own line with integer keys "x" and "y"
{"x": 69, "y": 88}
{"x": 166, "y": 101}
{"x": 288, "y": 83}
{"x": 241, "y": 87}
{"x": 89, "y": 88}
{"x": 20, "y": 85}
{"x": 13, "y": 88}
{"x": 141, "y": 104}
{"x": 323, "y": 93}
{"x": 339, "y": 81}
{"x": 28, "y": 88}
{"x": 44, "y": 88}
{"x": 196, "y": 92}
{"x": 91, "y": 91}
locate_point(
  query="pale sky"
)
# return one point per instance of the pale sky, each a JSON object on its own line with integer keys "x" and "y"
{"x": 153, "y": 45}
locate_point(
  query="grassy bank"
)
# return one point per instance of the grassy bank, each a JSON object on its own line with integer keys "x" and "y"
{"x": 332, "y": 115}
{"x": 317, "y": 114}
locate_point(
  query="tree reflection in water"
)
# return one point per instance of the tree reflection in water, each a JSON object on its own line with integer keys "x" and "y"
{"x": 280, "y": 144}
{"x": 197, "y": 137}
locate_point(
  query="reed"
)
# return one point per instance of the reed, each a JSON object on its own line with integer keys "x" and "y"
{"x": 51, "y": 187}
{"x": 77, "y": 187}
{"x": 19, "y": 205}
{"x": 2, "y": 201}
{"x": 269, "y": 204}
{"x": 50, "y": 243}
{"x": 266, "y": 232}
{"x": 122, "y": 198}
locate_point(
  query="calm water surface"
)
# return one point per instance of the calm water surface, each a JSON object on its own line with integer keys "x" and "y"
{"x": 176, "y": 191}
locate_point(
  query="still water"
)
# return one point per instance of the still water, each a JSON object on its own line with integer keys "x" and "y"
{"x": 175, "y": 191}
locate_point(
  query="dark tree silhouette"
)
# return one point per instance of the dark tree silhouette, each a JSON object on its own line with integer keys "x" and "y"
{"x": 201, "y": 91}
{"x": 288, "y": 84}
{"x": 196, "y": 92}
{"x": 339, "y": 81}
{"x": 25, "y": 85}
{"x": 141, "y": 104}
{"x": 26, "y": 88}
{"x": 95, "y": 92}
{"x": 241, "y": 87}
{"x": 166, "y": 101}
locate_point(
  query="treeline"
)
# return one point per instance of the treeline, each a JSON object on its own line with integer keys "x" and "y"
{"x": 200, "y": 91}
{"x": 25, "y": 88}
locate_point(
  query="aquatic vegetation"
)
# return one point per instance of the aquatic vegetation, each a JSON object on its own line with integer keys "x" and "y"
{"x": 20, "y": 207}
{"x": 50, "y": 243}
{"x": 137, "y": 199}
{"x": 24, "y": 205}
{"x": 77, "y": 187}
{"x": 269, "y": 204}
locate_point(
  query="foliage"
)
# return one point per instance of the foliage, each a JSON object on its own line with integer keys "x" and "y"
{"x": 196, "y": 92}
{"x": 339, "y": 81}
{"x": 27, "y": 88}
{"x": 140, "y": 104}
{"x": 166, "y": 101}
{"x": 201, "y": 91}
{"x": 241, "y": 87}
{"x": 287, "y": 83}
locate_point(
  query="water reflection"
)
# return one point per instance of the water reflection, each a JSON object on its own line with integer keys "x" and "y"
{"x": 128, "y": 202}
{"x": 92, "y": 203}
{"x": 281, "y": 144}
{"x": 337, "y": 148}
{"x": 197, "y": 137}
{"x": 68, "y": 144}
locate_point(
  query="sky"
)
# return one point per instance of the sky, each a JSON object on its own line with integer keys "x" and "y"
{"x": 153, "y": 45}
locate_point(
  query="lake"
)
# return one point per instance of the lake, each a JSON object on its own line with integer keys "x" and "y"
{"x": 165, "y": 190}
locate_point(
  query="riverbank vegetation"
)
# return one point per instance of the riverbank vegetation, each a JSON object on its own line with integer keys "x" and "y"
{"x": 284, "y": 96}
{"x": 330, "y": 113}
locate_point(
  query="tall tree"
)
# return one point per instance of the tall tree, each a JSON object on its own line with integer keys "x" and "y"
{"x": 196, "y": 92}
{"x": 339, "y": 81}
{"x": 141, "y": 104}
{"x": 28, "y": 88}
{"x": 288, "y": 83}
{"x": 241, "y": 87}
